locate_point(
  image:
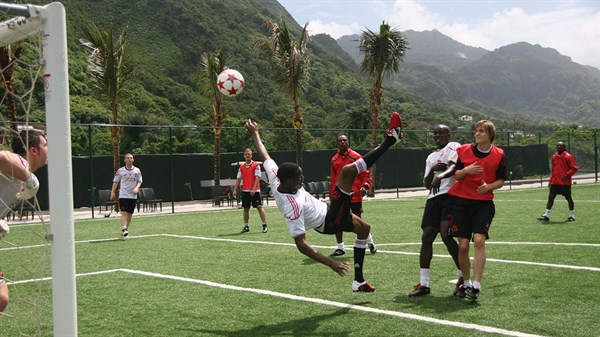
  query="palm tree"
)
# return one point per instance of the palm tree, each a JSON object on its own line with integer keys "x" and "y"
{"x": 289, "y": 62}
{"x": 212, "y": 64}
{"x": 383, "y": 52}
{"x": 110, "y": 65}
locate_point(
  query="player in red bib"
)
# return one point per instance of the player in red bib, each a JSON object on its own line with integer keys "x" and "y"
{"x": 249, "y": 177}
{"x": 480, "y": 169}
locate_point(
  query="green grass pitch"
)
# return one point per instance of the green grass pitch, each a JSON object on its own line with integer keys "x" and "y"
{"x": 194, "y": 274}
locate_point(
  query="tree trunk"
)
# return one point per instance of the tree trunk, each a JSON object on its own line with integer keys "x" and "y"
{"x": 116, "y": 139}
{"x": 217, "y": 123}
{"x": 6, "y": 58}
{"x": 115, "y": 136}
{"x": 298, "y": 121}
{"x": 375, "y": 103}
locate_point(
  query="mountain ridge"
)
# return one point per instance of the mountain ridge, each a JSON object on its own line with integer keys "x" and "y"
{"x": 510, "y": 80}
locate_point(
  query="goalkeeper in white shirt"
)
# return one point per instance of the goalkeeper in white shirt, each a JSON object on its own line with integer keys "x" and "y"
{"x": 17, "y": 181}
{"x": 302, "y": 211}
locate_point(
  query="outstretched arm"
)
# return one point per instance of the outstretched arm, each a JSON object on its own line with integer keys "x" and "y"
{"x": 340, "y": 267}
{"x": 252, "y": 129}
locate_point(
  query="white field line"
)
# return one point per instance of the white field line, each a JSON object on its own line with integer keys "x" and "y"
{"x": 392, "y": 313}
{"x": 541, "y": 264}
{"x": 525, "y": 243}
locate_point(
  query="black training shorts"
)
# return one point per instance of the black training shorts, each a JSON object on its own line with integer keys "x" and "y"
{"x": 254, "y": 200}
{"x": 471, "y": 216}
{"x": 436, "y": 210}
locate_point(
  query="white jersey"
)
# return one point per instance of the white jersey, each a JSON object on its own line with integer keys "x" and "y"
{"x": 128, "y": 179}
{"x": 443, "y": 155}
{"x": 9, "y": 187}
{"x": 301, "y": 210}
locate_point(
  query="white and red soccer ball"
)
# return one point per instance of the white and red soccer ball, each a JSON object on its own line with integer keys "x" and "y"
{"x": 230, "y": 82}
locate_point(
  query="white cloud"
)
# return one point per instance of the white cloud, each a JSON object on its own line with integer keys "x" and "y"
{"x": 333, "y": 29}
{"x": 573, "y": 31}
{"x": 406, "y": 15}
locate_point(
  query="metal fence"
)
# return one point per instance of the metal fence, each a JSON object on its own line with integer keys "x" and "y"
{"x": 176, "y": 160}
{"x": 94, "y": 140}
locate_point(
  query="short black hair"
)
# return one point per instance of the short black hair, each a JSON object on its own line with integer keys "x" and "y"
{"x": 26, "y": 139}
{"x": 288, "y": 171}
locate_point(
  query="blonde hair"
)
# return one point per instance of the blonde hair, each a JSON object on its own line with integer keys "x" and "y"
{"x": 489, "y": 128}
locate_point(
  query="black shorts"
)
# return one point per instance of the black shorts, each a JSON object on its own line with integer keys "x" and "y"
{"x": 127, "y": 205}
{"x": 339, "y": 215}
{"x": 564, "y": 190}
{"x": 248, "y": 199}
{"x": 437, "y": 209}
{"x": 356, "y": 208}
{"x": 470, "y": 216}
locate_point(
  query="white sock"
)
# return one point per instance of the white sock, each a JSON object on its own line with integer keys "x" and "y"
{"x": 459, "y": 273}
{"x": 341, "y": 246}
{"x": 424, "y": 277}
{"x": 123, "y": 227}
{"x": 369, "y": 238}
{"x": 547, "y": 213}
{"x": 468, "y": 283}
{"x": 476, "y": 284}
{"x": 572, "y": 213}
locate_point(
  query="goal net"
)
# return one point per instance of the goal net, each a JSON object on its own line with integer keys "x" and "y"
{"x": 37, "y": 258}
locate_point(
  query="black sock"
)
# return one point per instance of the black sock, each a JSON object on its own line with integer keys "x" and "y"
{"x": 371, "y": 157}
{"x": 359, "y": 258}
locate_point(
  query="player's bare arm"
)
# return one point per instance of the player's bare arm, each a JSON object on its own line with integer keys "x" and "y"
{"x": 484, "y": 187}
{"x": 474, "y": 168}
{"x": 305, "y": 248}
{"x": 11, "y": 165}
{"x": 437, "y": 180}
{"x": 252, "y": 129}
{"x": 429, "y": 177}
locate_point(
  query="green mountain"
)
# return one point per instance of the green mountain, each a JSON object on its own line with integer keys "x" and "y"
{"x": 168, "y": 37}
{"x": 512, "y": 81}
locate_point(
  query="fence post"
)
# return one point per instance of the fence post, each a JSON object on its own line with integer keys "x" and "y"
{"x": 596, "y": 155}
{"x": 171, "y": 170}
{"x": 540, "y": 143}
{"x": 91, "y": 161}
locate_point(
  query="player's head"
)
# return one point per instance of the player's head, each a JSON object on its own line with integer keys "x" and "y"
{"x": 561, "y": 147}
{"x": 290, "y": 176}
{"x": 248, "y": 155}
{"x": 485, "y": 131}
{"x": 342, "y": 142}
{"x": 128, "y": 159}
{"x": 32, "y": 144}
{"x": 441, "y": 135}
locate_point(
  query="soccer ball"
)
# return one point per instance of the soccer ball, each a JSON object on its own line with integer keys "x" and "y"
{"x": 230, "y": 82}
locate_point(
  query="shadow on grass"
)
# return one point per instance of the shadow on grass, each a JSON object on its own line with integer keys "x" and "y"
{"x": 448, "y": 303}
{"x": 299, "y": 327}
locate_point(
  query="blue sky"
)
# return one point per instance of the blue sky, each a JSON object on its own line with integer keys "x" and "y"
{"x": 570, "y": 26}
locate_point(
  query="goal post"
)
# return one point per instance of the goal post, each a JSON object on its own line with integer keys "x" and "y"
{"x": 50, "y": 22}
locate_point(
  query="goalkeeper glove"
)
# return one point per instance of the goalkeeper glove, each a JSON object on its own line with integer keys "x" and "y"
{"x": 29, "y": 188}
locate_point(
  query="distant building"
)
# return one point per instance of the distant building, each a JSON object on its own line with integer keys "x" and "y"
{"x": 466, "y": 118}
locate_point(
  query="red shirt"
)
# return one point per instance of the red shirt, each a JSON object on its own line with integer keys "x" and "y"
{"x": 248, "y": 174}
{"x": 338, "y": 161}
{"x": 494, "y": 168}
{"x": 563, "y": 165}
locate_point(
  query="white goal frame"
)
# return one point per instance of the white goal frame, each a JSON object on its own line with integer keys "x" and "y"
{"x": 50, "y": 22}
